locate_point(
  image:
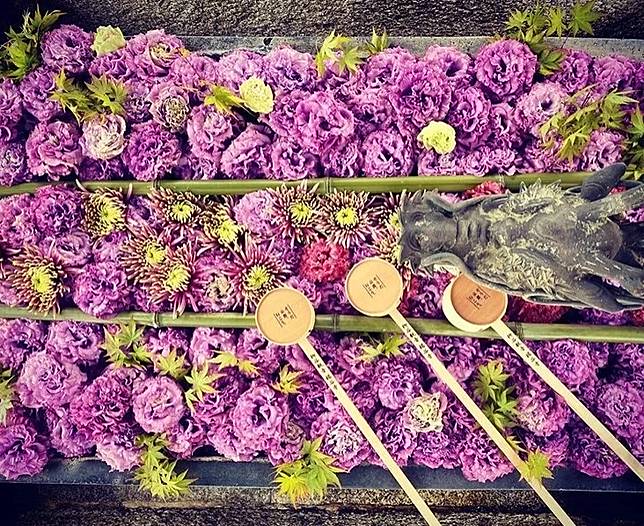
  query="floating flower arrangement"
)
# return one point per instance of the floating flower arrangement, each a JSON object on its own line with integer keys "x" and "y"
{"x": 86, "y": 107}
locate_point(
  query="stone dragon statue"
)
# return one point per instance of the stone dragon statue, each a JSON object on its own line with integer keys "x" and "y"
{"x": 543, "y": 243}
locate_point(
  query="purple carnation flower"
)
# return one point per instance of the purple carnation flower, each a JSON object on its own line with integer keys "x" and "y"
{"x": 162, "y": 342}
{"x": 157, "y": 404}
{"x": 253, "y": 211}
{"x": 399, "y": 439}
{"x": 206, "y": 342}
{"x": 614, "y": 72}
{"x": 17, "y": 222}
{"x": 23, "y": 451}
{"x": 505, "y": 68}
{"x": 621, "y": 405}
{"x": 574, "y": 72}
{"x": 36, "y": 89}
{"x": 503, "y": 130}
{"x": 372, "y": 109}
{"x": 288, "y": 70}
{"x": 451, "y": 62}
{"x": 169, "y": 105}
{"x": 249, "y": 155}
{"x": 286, "y": 447}
{"x": 535, "y": 107}
{"x": 629, "y": 360}
{"x": 260, "y": 415}
{"x": 344, "y": 160}
{"x": 101, "y": 290}
{"x": 116, "y": 65}
{"x": 591, "y": 456}
{"x": 94, "y": 170}
{"x": 252, "y": 346}
{"x": 421, "y": 95}
{"x": 470, "y": 115}
{"x": 542, "y": 412}
{"x": 289, "y": 161}
{"x": 223, "y": 438}
{"x": 66, "y": 437}
{"x": 480, "y": 459}
{"x": 53, "y": 149}
{"x": 555, "y": 446}
{"x": 384, "y": 69}
{"x": 396, "y": 383}
{"x": 322, "y": 122}
{"x": 151, "y": 54}
{"x": 600, "y": 317}
{"x": 103, "y": 137}
{"x": 309, "y": 402}
{"x": 459, "y": 355}
{"x": 119, "y": 451}
{"x": 45, "y": 382}
{"x": 570, "y": 360}
{"x": 307, "y": 288}
{"x": 108, "y": 248}
{"x": 137, "y": 105}
{"x": 196, "y": 73}
{"x": 187, "y": 436}
{"x": 195, "y": 168}
{"x": 282, "y": 118}
{"x": 228, "y": 389}
{"x": 386, "y": 153}
{"x": 477, "y": 162}
{"x": 340, "y": 438}
{"x": 19, "y": 339}
{"x": 430, "y": 163}
{"x": 604, "y": 148}
{"x": 67, "y": 47}
{"x": 10, "y": 109}
{"x": 209, "y": 132}
{"x": 240, "y": 65}
{"x": 74, "y": 342}
{"x": 13, "y": 164}
{"x": 435, "y": 450}
{"x": 57, "y": 210}
{"x": 152, "y": 152}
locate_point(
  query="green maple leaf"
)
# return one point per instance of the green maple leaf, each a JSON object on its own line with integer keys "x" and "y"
{"x": 71, "y": 97}
{"x": 378, "y": 43}
{"x": 582, "y": 16}
{"x": 351, "y": 58}
{"x": 223, "y": 99}
{"x": 7, "y": 394}
{"x": 536, "y": 467}
{"x": 518, "y": 20}
{"x": 201, "y": 382}
{"x": 329, "y": 49}
{"x": 124, "y": 348}
{"x": 288, "y": 381}
{"x": 550, "y": 61}
{"x": 108, "y": 95}
{"x": 173, "y": 365}
{"x": 556, "y": 21}
{"x": 388, "y": 348}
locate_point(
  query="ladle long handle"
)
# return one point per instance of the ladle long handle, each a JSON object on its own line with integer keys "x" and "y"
{"x": 575, "y": 404}
{"x": 368, "y": 432}
{"x": 446, "y": 377}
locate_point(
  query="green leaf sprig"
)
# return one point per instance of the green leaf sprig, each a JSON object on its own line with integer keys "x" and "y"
{"x": 534, "y": 24}
{"x": 388, "y": 348}
{"x": 635, "y": 145}
{"x": 7, "y": 394}
{"x": 20, "y": 54}
{"x": 343, "y": 51}
{"x": 99, "y": 96}
{"x": 125, "y": 347}
{"x": 223, "y": 99}
{"x": 572, "y": 127}
{"x": 499, "y": 403}
{"x": 288, "y": 381}
{"x": 173, "y": 365}
{"x": 157, "y": 474}
{"x": 227, "y": 359}
{"x": 309, "y": 476}
{"x": 536, "y": 467}
{"x": 201, "y": 383}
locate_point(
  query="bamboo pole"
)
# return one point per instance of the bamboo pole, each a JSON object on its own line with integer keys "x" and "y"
{"x": 444, "y": 183}
{"x": 348, "y": 323}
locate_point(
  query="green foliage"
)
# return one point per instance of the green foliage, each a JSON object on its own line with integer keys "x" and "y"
{"x": 200, "y": 381}
{"x": 343, "y": 51}
{"x": 20, "y": 54}
{"x": 125, "y": 348}
{"x": 7, "y": 394}
{"x": 223, "y": 99}
{"x": 537, "y": 466}
{"x": 228, "y": 359}
{"x": 157, "y": 474}
{"x": 388, "y": 348}
{"x": 97, "y": 97}
{"x": 309, "y": 476}
{"x": 534, "y": 24}
{"x": 572, "y": 127}
{"x": 173, "y": 365}
{"x": 287, "y": 382}
{"x": 499, "y": 403}
{"x": 378, "y": 43}
{"x": 635, "y": 145}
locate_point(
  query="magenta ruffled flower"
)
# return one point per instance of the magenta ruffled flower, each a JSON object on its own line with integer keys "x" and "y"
{"x": 574, "y": 72}
{"x": 67, "y": 47}
{"x": 629, "y": 358}
{"x": 470, "y": 115}
{"x": 74, "y": 342}
{"x": 477, "y": 162}
{"x": 137, "y": 105}
{"x": 209, "y": 132}
{"x": 57, "y": 210}
{"x": 206, "y": 343}
{"x": 384, "y": 69}
{"x": 340, "y": 438}
{"x": 151, "y": 152}
{"x": 101, "y": 290}
{"x": 10, "y": 109}
{"x": 288, "y": 70}
{"x": 249, "y": 155}
{"x": 151, "y": 54}
{"x": 555, "y": 446}
{"x": 480, "y": 459}
{"x": 93, "y": 170}
{"x": 541, "y": 411}
{"x": 260, "y": 415}
{"x": 386, "y": 153}
{"x": 323, "y": 262}
{"x": 282, "y": 118}
{"x": 604, "y": 148}
{"x": 322, "y": 122}
{"x": 422, "y": 95}
{"x": 372, "y": 109}
{"x": 614, "y": 72}
{"x": 288, "y": 446}
{"x": 45, "y": 382}
{"x": 196, "y": 73}
{"x": 399, "y": 440}
{"x": 505, "y": 68}
{"x": 570, "y": 360}
{"x": 103, "y": 137}
{"x": 252, "y": 346}
{"x": 343, "y": 161}
{"x": 19, "y": 339}
{"x": 621, "y": 404}
{"x": 53, "y": 149}
{"x": 289, "y": 161}
{"x": 435, "y": 450}
{"x": 116, "y": 65}
{"x": 119, "y": 451}
{"x": 66, "y": 437}
{"x": 239, "y": 65}
{"x": 591, "y": 456}
{"x": 503, "y": 129}
{"x": 157, "y": 404}
{"x": 23, "y": 451}
{"x": 13, "y": 164}
{"x": 187, "y": 436}
{"x": 253, "y": 211}
{"x": 535, "y": 107}
{"x": 36, "y": 89}
{"x": 169, "y": 105}
{"x": 453, "y": 63}
{"x": 396, "y": 383}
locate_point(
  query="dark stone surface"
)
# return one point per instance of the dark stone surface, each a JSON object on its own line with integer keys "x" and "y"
{"x": 621, "y": 18}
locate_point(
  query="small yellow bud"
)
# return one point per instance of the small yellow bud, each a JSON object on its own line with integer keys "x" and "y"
{"x": 257, "y": 95}
{"x": 438, "y": 136}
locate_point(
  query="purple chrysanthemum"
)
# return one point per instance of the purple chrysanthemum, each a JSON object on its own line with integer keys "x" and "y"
{"x": 293, "y": 211}
{"x": 347, "y": 218}
{"x": 53, "y": 149}
{"x": 67, "y": 47}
